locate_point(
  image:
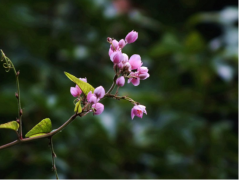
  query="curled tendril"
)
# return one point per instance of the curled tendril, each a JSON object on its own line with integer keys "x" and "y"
{"x": 8, "y": 63}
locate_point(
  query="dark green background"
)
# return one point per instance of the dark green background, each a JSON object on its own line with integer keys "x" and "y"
{"x": 190, "y": 48}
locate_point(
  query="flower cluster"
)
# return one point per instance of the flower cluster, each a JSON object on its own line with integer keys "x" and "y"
{"x": 128, "y": 67}
{"x": 92, "y": 98}
{"x": 124, "y": 67}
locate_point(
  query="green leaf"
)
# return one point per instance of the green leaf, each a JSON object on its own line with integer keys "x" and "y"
{"x": 85, "y": 87}
{"x": 39, "y": 134}
{"x": 41, "y": 128}
{"x": 78, "y": 108}
{"x": 10, "y": 125}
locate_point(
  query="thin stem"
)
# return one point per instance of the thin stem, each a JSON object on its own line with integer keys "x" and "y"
{"x": 9, "y": 65}
{"x": 53, "y": 154}
{"x": 19, "y": 100}
{"x": 113, "y": 85}
{"x": 122, "y": 97}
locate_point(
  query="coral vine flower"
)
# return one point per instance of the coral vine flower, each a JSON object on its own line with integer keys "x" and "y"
{"x": 138, "y": 110}
{"x": 99, "y": 92}
{"x": 131, "y": 37}
{"x": 99, "y": 108}
{"x": 76, "y": 91}
{"x": 120, "y": 81}
{"x": 135, "y": 61}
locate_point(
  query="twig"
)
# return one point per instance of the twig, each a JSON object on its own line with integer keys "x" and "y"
{"x": 113, "y": 85}
{"x": 53, "y": 154}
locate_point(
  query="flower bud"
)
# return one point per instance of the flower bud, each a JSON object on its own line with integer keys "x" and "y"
{"x": 99, "y": 92}
{"x": 131, "y": 37}
{"x": 109, "y": 40}
{"x": 121, "y": 43}
{"x": 99, "y": 108}
{"x": 116, "y": 57}
{"x": 114, "y": 45}
{"x": 120, "y": 81}
{"x": 93, "y": 99}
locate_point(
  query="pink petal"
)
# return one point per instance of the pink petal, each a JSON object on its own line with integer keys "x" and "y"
{"x": 74, "y": 92}
{"x": 135, "y": 61}
{"x": 135, "y": 81}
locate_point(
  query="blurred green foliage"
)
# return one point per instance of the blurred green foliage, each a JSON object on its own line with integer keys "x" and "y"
{"x": 190, "y": 47}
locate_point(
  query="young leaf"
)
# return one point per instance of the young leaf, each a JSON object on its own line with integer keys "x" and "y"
{"x": 39, "y": 134}
{"x": 78, "y": 108}
{"x": 85, "y": 87}
{"x": 10, "y": 125}
{"x": 42, "y": 127}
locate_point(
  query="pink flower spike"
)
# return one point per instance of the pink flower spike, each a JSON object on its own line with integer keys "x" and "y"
{"x": 99, "y": 92}
{"x": 115, "y": 45}
{"x": 135, "y": 61}
{"x": 120, "y": 81}
{"x": 138, "y": 110}
{"x": 99, "y": 108}
{"x": 122, "y": 43}
{"x": 134, "y": 81}
{"x": 131, "y": 37}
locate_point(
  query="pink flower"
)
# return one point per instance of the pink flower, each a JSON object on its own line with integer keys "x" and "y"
{"x": 135, "y": 61}
{"x": 99, "y": 92}
{"x": 120, "y": 81}
{"x": 99, "y": 108}
{"x": 91, "y": 98}
{"x": 131, "y": 37}
{"x": 138, "y": 110}
{"x": 115, "y": 45}
{"x": 76, "y": 91}
{"x": 116, "y": 57}
{"x": 121, "y": 43}
{"x": 143, "y": 73}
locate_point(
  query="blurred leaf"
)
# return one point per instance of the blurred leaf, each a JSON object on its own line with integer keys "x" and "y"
{"x": 78, "y": 108}
{"x": 85, "y": 87}
{"x": 42, "y": 127}
{"x": 10, "y": 125}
